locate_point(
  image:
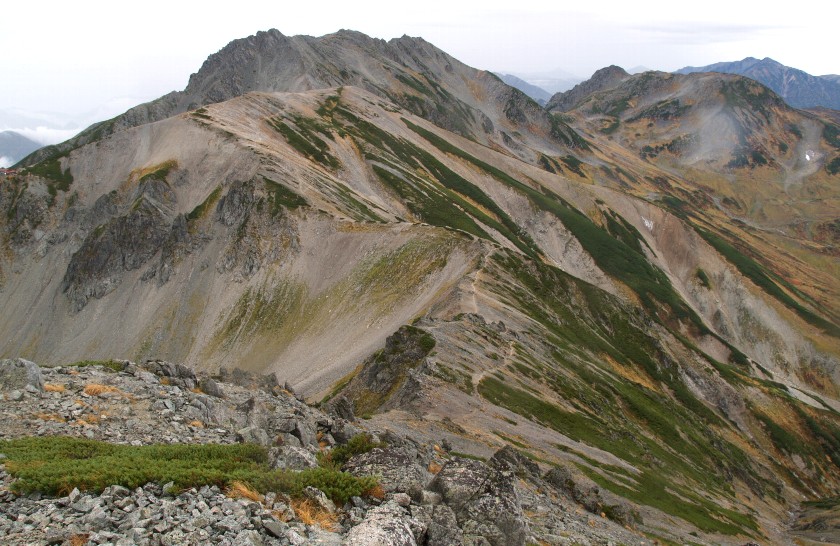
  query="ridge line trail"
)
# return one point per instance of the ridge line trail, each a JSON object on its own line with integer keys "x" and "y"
{"x": 479, "y": 375}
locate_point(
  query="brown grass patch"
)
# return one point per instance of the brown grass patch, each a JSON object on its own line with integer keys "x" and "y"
{"x": 310, "y": 514}
{"x": 197, "y": 390}
{"x": 79, "y": 540}
{"x": 375, "y": 492}
{"x": 50, "y": 387}
{"x": 50, "y": 417}
{"x": 240, "y": 490}
{"x": 197, "y": 424}
{"x": 95, "y": 389}
{"x": 434, "y": 468}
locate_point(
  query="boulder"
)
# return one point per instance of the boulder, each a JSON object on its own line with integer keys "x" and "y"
{"x": 386, "y": 525}
{"x": 18, "y": 374}
{"x": 399, "y": 471}
{"x": 209, "y": 386}
{"x": 511, "y": 460}
{"x": 292, "y": 458}
{"x": 441, "y": 525}
{"x": 484, "y": 501}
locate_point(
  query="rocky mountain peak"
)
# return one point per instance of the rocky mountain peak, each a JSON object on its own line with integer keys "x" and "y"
{"x": 604, "y": 78}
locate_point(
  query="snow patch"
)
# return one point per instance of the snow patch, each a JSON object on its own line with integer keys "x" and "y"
{"x": 648, "y": 223}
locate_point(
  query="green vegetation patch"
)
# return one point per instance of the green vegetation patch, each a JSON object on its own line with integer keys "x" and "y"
{"x": 612, "y": 255}
{"x": 766, "y": 280}
{"x": 113, "y": 365}
{"x": 201, "y": 210}
{"x": 833, "y": 166}
{"x": 159, "y": 172}
{"x": 458, "y": 204}
{"x": 831, "y": 134}
{"x": 281, "y": 196}
{"x": 703, "y": 278}
{"x": 358, "y": 444}
{"x": 304, "y": 140}
{"x": 55, "y": 465}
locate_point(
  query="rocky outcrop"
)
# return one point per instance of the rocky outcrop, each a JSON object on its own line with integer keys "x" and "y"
{"x": 387, "y": 525}
{"x": 484, "y": 501}
{"x": 400, "y": 473}
{"x": 384, "y": 374}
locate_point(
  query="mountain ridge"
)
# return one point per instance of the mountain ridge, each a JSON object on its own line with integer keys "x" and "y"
{"x": 798, "y": 88}
{"x": 628, "y": 298}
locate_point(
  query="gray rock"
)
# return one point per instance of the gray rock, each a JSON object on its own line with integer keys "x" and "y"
{"x": 509, "y": 459}
{"x": 253, "y": 435}
{"x": 386, "y": 525}
{"x": 18, "y": 373}
{"x": 402, "y": 499}
{"x": 484, "y": 501}
{"x": 16, "y": 396}
{"x": 209, "y": 386}
{"x": 399, "y": 472}
{"x": 342, "y": 431}
{"x": 248, "y": 538}
{"x": 319, "y": 499}
{"x": 275, "y": 528}
{"x": 441, "y": 525}
{"x": 292, "y": 458}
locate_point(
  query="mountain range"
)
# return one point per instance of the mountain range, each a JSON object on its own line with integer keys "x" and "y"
{"x": 640, "y": 280}
{"x": 798, "y": 88}
{"x": 537, "y": 93}
{"x": 14, "y": 147}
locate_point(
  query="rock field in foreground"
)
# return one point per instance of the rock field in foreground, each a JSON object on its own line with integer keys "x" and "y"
{"x": 430, "y": 496}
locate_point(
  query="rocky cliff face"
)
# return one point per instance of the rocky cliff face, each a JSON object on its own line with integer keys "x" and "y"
{"x": 642, "y": 297}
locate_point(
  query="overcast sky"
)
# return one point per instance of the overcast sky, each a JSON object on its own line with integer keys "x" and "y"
{"x": 84, "y": 61}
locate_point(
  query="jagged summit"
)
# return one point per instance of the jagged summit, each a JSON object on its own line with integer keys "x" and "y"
{"x": 410, "y": 72}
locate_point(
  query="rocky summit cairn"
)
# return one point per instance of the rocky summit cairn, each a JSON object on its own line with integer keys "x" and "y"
{"x": 426, "y": 495}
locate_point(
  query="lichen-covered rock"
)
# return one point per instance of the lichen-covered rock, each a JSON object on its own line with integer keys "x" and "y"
{"x": 386, "y": 525}
{"x": 484, "y": 500}
{"x": 441, "y": 525}
{"x": 509, "y": 459}
{"x": 292, "y": 458}
{"x": 18, "y": 373}
{"x": 399, "y": 471}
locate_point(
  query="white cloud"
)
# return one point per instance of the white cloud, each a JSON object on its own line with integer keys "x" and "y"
{"x": 5, "y": 162}
{"x": 44, "y": 135}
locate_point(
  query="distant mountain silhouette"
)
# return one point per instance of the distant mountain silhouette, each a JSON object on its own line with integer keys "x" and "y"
{"x": 798, "y": 88}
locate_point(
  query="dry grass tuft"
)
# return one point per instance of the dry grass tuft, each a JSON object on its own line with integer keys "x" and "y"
{"x": 376, "y": 492}
{"x": 50, "y": 387}
{"x": 434, "y": 468}
{"x": 50, "y": 417}
{"x": 240, "y": 490}
{"x": 197, "y": 424}
{"x": 197, "y": 390}
{"x": 310, "y": 514}
{"x": 79, "y": 540}
{"x": 95, "y": 389}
